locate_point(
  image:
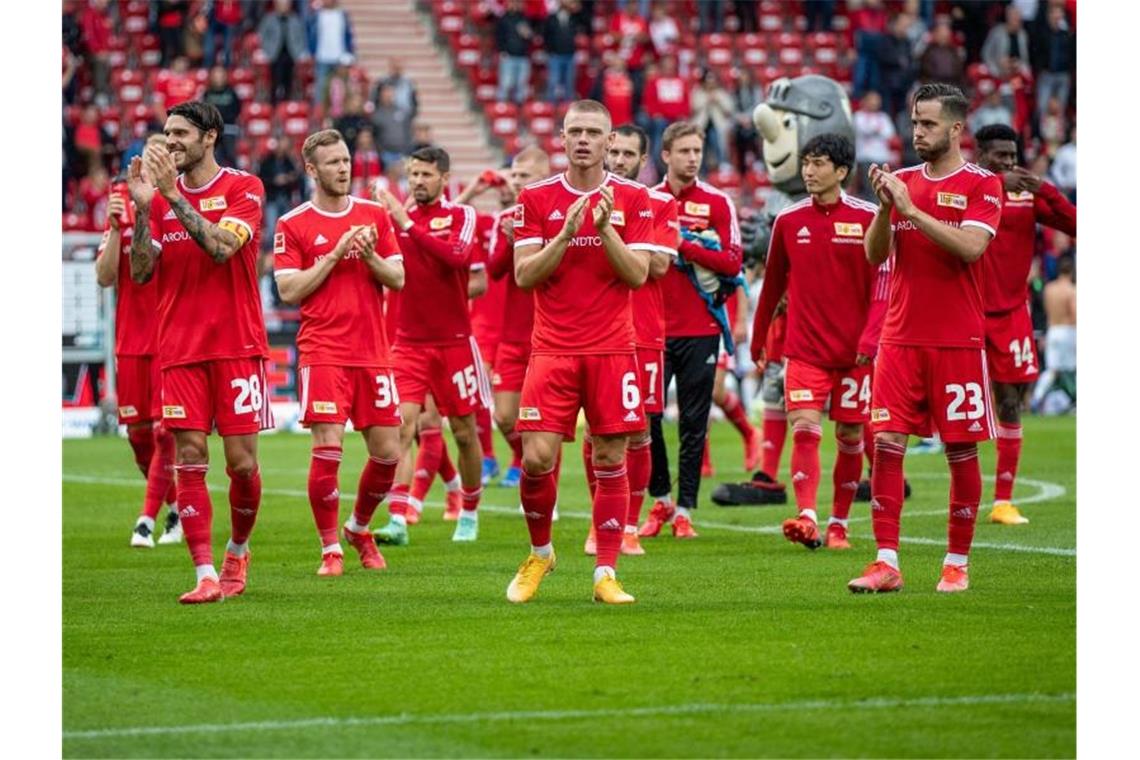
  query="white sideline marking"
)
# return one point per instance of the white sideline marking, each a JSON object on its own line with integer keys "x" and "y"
{"x": 402, "y": 719}
{"x": 1056, "y": 551}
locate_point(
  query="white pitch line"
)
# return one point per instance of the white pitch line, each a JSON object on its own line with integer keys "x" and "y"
{"x": 403, "y": 719}
{"x": 499, "y": 509}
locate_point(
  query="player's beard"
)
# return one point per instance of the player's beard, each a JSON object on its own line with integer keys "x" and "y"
{"x": 424, "y": 196}
{"x": 333, "y": 191}
{"x": 934, "y": 152}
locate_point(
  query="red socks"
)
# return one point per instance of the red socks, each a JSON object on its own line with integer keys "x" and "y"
{"x": 869, "y": 447}
{"x": 245, "y": 499}
{"x": 375, "y": 482}
{"x": 142, "y": 443}
{"x": 195, "y": 511}
{"x": 611, "y": 503}
{"x": 805, "y": 463}
{"x": 538, "y": 494}
{"x": 1008, "y": 456}
{"x": 514, "y": 440}
{"x": 427, "y": 461}
{"x": 471, "y": 497}
{"x": 887, "y": 493}
{"x": 734, "y": 411}
{"x": 965, "y": 494}
{"x": 639, "y": 463}
{"x": 775, "y": 431}
{"x": 845, "y": 477}
{"x": 483, "y": 430}
{"x": 324, "y": 495}
{"x": 588, "y": 464}
{"x": 160, "y": 475}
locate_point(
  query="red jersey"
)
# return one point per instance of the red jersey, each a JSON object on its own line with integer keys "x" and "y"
{"x": 487, "y": 309}
{"x": 437, "y": 255}
{"x": 176, "y": 88}
{"x": 667, "y": 97}
{"x": 632, "y": 32}
{"x": 936, "y": 298}
{"x": 1010, "y": 254}
{"x": 617, "y": 95}
{"x": 816, "y": 255}
{"x": 648, "y": 304}
{"x": 209, "y": 311}
{"x": 136, "y": 306}
{"x": 518, "y": 304}
{"x": 583, "y": 308}
{"x": 700, "y": 206}
{"x": 341, "y": 321}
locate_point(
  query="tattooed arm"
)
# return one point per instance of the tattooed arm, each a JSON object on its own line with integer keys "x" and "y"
{"x": 142, "y": 244}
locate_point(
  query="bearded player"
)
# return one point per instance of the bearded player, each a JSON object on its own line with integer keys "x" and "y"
{"x": 626, "y": 157}
{"x": 583, "y": 240}
{"x": 198, "y": 237}
{"x": 435, "y": 352}
{"x": 931, "y": 374}
{"x": 513, "y": 352}
{"x": 815, "y": 256}
{"x": 1010, "y": 346}
{"x": 137, "y": 379}
{"x": 332, "y": 256}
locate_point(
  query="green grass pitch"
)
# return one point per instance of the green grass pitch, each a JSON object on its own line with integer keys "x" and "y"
{"x": 740, "y": 644}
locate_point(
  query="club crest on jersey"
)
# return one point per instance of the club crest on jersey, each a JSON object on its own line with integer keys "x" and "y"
{"x": 173, "y": 413}
{"x": 217, "y": 203}
{"x": 617, "y": 217}
{"x": 697, "y": 209}
{"x": 952, "y": 200}
{"x": 324, "y": 407}
{"x": 848, "y": 230}
{"x": 802, "y": 394}
{"x": 530, "y": 413}
{"x": 1024, "y": 195}
{"x": 519, "y": 215}
{"x": 880, "y": 415}
{"x": 440, "y": 222}
{"x": 279, "y": 242}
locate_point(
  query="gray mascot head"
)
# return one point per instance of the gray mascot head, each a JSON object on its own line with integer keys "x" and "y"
{"x": 795, "y": 111}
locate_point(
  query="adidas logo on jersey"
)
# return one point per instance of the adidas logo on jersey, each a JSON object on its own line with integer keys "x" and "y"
{"x": 321, "y": 239}
{"x": 169, "y": 215}
{"x": 631, "y": 416}
{"x": 804, "y": 232}
{"x": 975, "y": 428}
{"x": 610, "y": 524}
{"x": 555, "y": 216}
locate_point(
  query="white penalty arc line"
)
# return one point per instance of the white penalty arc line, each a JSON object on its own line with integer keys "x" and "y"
{"x": 499, "y": 509}
{"x": 402, "y": 719}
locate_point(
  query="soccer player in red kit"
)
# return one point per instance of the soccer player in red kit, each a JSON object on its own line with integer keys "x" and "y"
{"x": 931, "y": 371}
{"x": 198, "y": 237}
{"x": 332, "y": 256}
{"x": 137, "y": 379}
{"x": 1010, "y": 346}
{"x": 583, "y": 241}
{"x": 626, "y": 157}
{"x": 434, "y": 351}
{"x": 815, "y": 255}
{"x": 513, "y": 352}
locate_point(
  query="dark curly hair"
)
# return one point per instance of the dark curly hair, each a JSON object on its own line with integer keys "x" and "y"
{"x": 991, "y": 132}
{"x": 835, "y": 147}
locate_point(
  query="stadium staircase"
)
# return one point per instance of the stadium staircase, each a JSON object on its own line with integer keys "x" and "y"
{"x": 385, "y": 29}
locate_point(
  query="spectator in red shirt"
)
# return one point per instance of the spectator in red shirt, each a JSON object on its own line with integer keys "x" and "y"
{"x": 169, "y": 16}
{"x": 177, "y": 84}
{"x": 94, "y": 191}
{"x": 617, "y": 90}
{"x": 223, "y": 17}
{"x": 96, "y": 27}
{"x": 632, "y": 33}
{"x": 666, "y": 101}
{"x": 92, "y": 142}
{"x": 366, "y": 164}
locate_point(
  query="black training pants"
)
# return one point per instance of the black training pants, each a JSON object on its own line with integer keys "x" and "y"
{"x": 693, "y": 362}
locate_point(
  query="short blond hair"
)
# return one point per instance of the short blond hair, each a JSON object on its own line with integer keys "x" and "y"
{"x": 589, "y": 106}
{"x": 319, "y": 140}
{"x": 679, "y": 129}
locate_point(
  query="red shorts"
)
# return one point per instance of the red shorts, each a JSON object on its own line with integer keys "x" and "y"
{"x": 918, "y": 390}
{"x": 1010, "y": 347}
{"x": 365, "y": 395}
{"x": 807, "y": 386}
{"x": 605, "y": 385}
{"x": 651, "y": 368}
{"x": 227, "y": 394}
{"x": 453, "y": 375}
{"x": 137, "y": 383}
{"x": 510, "y": 367}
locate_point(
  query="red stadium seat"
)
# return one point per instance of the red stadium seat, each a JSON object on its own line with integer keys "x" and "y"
{"x": 73, "y": 222}
{"x": 771, "y": 22}
{"x": 467, "y": 50}
{"x": 510, "y": 143}
{"x": 256, "y": 119}
{"x": 504, "y": 118}
{"x": 754, "y": 57}
{"x": 117, "y": 52}
{"x": 128, "y": 83}
{"x": 149, "y": 51}
{"x": 749, "y": 40}
{"x": 109, "y": 119}
{"x": 725, "y": 178}
{"x": 552, "y": 145}
{"x": 135, "y": 16}
{"x": 791, "y": 56}
{"x": 243, "y": 83}
{"x": 539, "y": 118}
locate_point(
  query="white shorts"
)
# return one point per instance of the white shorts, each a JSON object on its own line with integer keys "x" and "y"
{"x": 1061, "y": 348}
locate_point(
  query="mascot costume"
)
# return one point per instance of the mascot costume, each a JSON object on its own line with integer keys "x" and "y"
{"x": 794, "y": 111}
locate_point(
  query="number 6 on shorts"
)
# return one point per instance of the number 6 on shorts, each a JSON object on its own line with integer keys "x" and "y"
{"x": 630, "y": 392}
